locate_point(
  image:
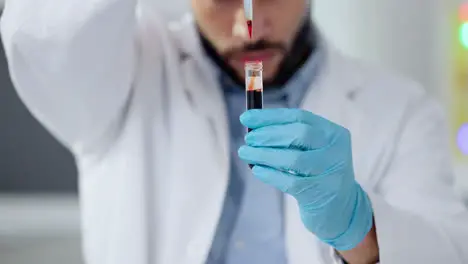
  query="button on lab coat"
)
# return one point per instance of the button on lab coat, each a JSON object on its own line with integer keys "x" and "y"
{"x": 137, "y": 103}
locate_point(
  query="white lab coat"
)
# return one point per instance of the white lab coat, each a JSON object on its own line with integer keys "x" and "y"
{"x": 138, "y": 104}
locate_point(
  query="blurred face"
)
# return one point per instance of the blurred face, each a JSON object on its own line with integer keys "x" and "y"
{"x": 275, "y": 24}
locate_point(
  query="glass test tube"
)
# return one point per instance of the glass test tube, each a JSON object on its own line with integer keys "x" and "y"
{"x": 254, "y": 85}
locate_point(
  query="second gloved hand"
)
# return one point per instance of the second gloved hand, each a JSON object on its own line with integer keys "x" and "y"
{"x": 310, "y": 158}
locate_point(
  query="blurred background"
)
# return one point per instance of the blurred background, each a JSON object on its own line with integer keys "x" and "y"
{"x": 423, "y": 39}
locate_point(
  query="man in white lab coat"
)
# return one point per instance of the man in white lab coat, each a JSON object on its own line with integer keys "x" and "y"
{"x": 350, "y": 163}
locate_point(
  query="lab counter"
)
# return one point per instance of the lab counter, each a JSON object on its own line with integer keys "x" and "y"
{"x": 39, "y": 229}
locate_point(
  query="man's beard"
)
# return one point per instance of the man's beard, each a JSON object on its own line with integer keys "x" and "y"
{"x": 302, "y": 47}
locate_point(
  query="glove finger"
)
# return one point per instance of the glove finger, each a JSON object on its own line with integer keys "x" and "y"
{"x": 257, "y": 118}
{"x": 287, "y": 160}
{"x": 280, "y": 180}
{"x": 302, "y": 163}
{"x": 280, "y": 159}
{"x": 295, "y": 135}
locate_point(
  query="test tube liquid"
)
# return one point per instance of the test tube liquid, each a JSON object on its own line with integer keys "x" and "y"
{"x": 254, "y": 85}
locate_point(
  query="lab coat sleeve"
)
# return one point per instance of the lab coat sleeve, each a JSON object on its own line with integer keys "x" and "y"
{"x": 417, "y": 215}
{"x": 72, "y": 63}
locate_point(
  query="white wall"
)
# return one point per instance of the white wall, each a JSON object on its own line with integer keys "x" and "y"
{"x": 399, "y": 34}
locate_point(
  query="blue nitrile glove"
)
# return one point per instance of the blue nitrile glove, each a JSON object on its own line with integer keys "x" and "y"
{"x": 310, "y": 158}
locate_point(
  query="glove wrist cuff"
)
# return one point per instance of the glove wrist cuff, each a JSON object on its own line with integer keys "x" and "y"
{"x": 359, "y": 226}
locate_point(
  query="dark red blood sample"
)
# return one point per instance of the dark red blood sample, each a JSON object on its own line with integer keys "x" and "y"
{"x": 254, "y": 100}
{"x": 249, "y": 26}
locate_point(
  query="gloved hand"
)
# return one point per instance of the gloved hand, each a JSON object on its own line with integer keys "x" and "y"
{"x": 310, "y": 158}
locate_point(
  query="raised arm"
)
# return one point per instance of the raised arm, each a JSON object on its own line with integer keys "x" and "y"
{"x": 72, "y": 63}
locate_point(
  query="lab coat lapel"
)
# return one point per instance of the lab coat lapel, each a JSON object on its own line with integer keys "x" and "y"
{"x": 203, "y": 88}
{"x": 205, "y": 131}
